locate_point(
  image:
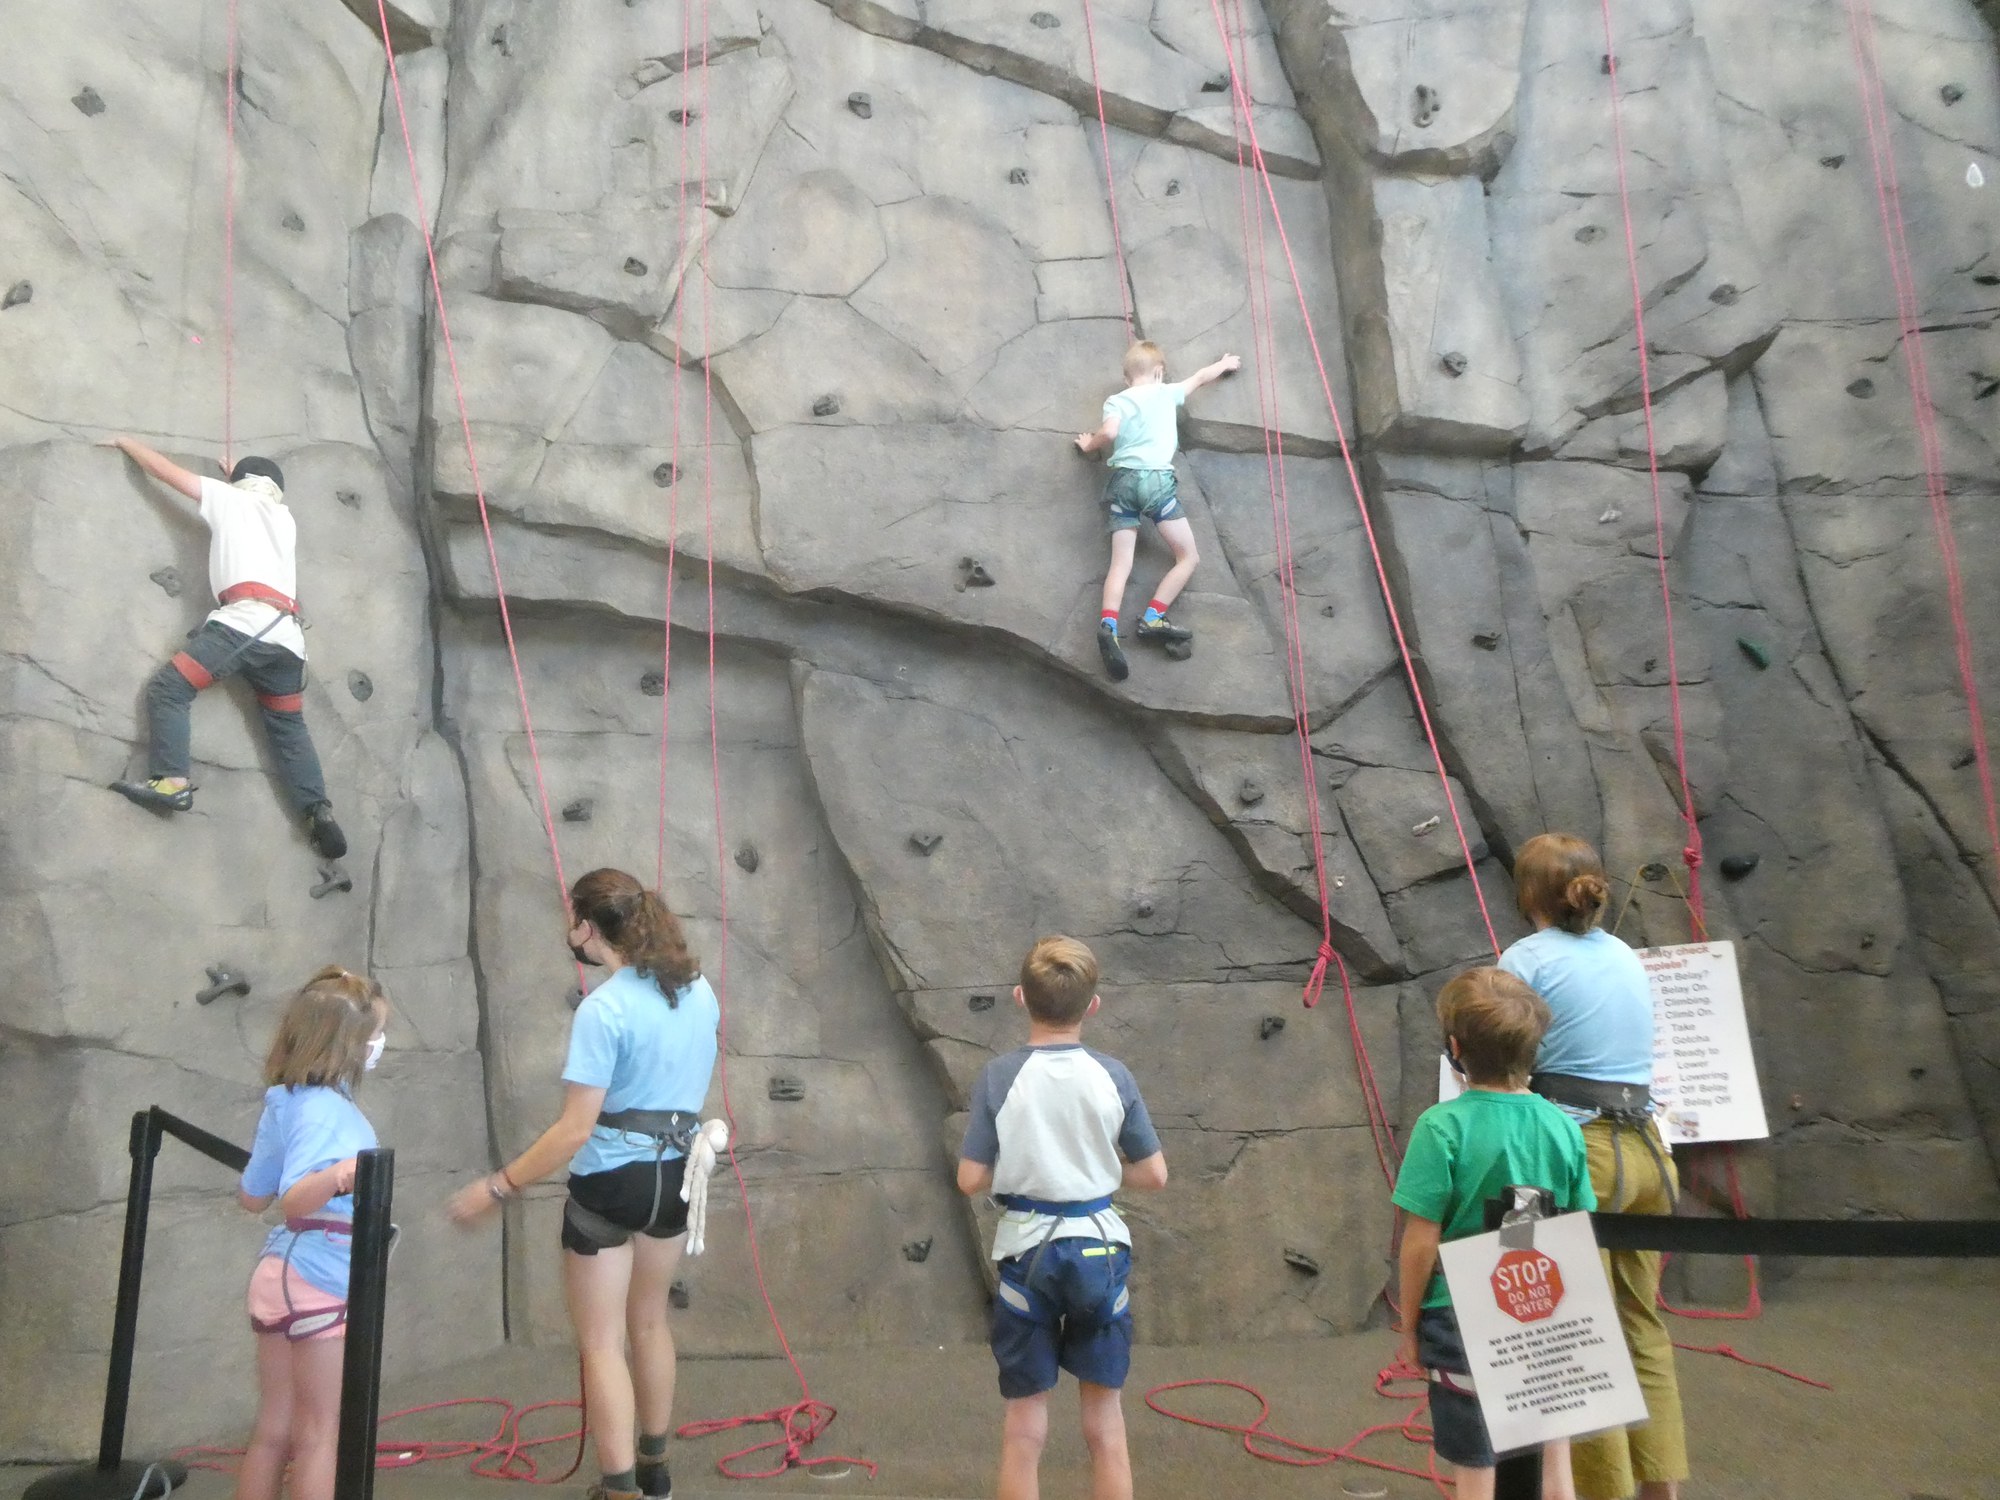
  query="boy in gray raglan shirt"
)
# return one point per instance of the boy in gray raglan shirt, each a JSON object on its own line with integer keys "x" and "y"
{"x": 1055, "y": 1129}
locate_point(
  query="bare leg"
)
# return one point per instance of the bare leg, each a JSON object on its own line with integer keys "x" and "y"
{"x": 1123, "y": 545}
{"x": 1556, "y": 1481}
{"x": 595, "y": 1288}
{"x": 263, "y": 1466}
{"x": 316, "y": 1368}
{"x": 1021, "y": 1442}
{"x": 653, "y": 1266}
{"x": 1104, "y": 1435}
{"x": 1660, "y": 1489}
{"x": 1471, "y": 1484}
{"x": 1179, "y": 535}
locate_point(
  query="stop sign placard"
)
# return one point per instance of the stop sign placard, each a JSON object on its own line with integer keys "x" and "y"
{"x": 1527, "y": 1285}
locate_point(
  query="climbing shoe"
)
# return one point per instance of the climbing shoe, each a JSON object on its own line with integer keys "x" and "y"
{"x": 156, "y": 794}
{"x": 654, "y": 1479}
{"x": 1112, "y": 652}
{"x": 324, "y": 832}
{"x": 601, "y": 1491}
{"x": 1162, "y": 630}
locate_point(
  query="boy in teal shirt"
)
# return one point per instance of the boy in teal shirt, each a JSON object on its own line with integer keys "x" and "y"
{"x": 1461, "y": 1153}
{"x": 1141, "y": 429}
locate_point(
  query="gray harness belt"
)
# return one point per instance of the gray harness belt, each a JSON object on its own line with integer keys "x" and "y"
{"x": 1628, "y": 1106}
{"x": 675, "y": 1128}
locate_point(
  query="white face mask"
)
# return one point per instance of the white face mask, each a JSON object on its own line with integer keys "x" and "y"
{"x": 376, "y": 1044}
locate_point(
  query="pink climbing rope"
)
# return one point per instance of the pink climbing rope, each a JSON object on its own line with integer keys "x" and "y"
{"x": 1110, "y": 182}
{"x": 1691, "y": 854}
{"x": 229, "y": 251}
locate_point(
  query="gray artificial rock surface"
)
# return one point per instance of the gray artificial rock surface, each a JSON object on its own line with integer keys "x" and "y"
{"x": 814, "y": 312}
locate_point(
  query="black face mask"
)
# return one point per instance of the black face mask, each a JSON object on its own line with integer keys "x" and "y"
{"x": 1452, "y": 1058}
{"x": 584, "y": 958}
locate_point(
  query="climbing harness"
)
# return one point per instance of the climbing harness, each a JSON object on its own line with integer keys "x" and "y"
{"x": 1019, "y": 1281}
{"x": 298, "y": 1324}
{"x": 1626, "y": 1106}
{"x": 666, "y": 1129}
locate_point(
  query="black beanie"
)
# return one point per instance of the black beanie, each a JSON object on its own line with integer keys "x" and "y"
{"x": 245, "y": 467}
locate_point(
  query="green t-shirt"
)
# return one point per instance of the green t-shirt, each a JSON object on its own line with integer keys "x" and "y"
{"x": 1469, "y": 1149}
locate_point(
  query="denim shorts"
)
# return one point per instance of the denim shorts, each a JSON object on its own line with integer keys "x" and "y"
{"x": 1458, "y": 1430}
{"x": 1064, "y": 1306}
{"x": 1135, "y": 495}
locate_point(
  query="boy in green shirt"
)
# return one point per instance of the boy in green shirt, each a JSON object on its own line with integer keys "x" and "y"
{"x": 1461, "y": 1153}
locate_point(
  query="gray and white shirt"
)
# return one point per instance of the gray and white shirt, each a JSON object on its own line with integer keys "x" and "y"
{"x": 1051, "y": 1121}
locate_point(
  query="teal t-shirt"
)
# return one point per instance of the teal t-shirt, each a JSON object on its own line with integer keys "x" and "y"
{"x": 1149, "y": 431}
{"x": 1469, "y": 1149}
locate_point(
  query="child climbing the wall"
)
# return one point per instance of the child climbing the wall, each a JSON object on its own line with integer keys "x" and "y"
{"x": 1141, "y": 432}
{"x": 303, "y": 1159}
{"x": 1495, "y": 1135}
{"x": 254, "y": 629}
{"x": 1055, "y": 1129}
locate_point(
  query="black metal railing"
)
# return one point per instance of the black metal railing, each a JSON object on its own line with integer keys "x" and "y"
{"x": 115, "y": 1477}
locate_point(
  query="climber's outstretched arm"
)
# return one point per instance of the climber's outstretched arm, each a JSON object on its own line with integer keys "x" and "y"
{"x": 160, "y": 467}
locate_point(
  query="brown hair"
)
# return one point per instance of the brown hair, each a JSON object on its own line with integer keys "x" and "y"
{"x": 637, "y": 923}
{"x": 1498, "y": 1022}
{"x": 1058, "y": 978}
{"x": 1143, "y": 358}
{"x": 323, "y": 1036}
{"x": 1558, "y": 878}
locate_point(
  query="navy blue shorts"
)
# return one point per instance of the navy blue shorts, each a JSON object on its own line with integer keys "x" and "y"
{"x": 1135, "y": 495}
{"x": 1075, "y": 1315}
{"x": 1458, "y": 1429}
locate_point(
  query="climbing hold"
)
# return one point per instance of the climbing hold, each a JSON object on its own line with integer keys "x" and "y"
{"x": 1651, "y": 664}
{"x": 1590, "y": 234}
{"x": 1219, "y": 84}
{"x": 1951, "y": 93}
{"x": 222, "y": 980}
{"x": 1298, "y": 1260}
{"x": 17, "y": 294}
{"x": 787, "y": 1090}
{"x": 665, "y": 475}
{"x": 348, "y": 498}
{"x": 1605, "y": 64}
{"x": 169, "y": 580}
{"x": 1250, "y": 792}
{"x": 1798, "y": 1101}
{"x": 747, "y": 858}
{"x": 1044, "y": 21}
{"x": 1018, "y": 176}
{"x": 498, "y": 38}
{"x": 1487, "y": 640}
{"x": 1965, "y": 758}
{"x": 575, "y": 996}
{"x": 294, "y": 223}
{"x": 89, "y": 101}
{"x": 1425, "y": 105}
{"x": 918, "y": 1251}
{"x": 1173, "y": 187}
{"x": 653, "y": 684}
{"x": 579, "y": 811}
{"x": 1327, "y": 610}
{"x": 1917, "y": 1073}
{"x": 1269, "y": 1027}
{"x": 683, "y": 116}
{"x": 1655, "y": 871}
{"x": 977, "y": 1003}
{"x": 359, "y": 685}
{"x": 634, "y": 266}
{"x": 1987, "y": 278}
{"x": 1178, "y": 650}
{"x": 826, "y": 406}
{"x": 1454, "y": 363}
{"x": 1832, "y": 163}
{"x": 925, "y": 843}
{"x": 1736, "y": 866}
{"x": 1867, "y": 939}
{"x": 861, "y": 104}
{"x": 974, "y": 574}
{"x": 1986, "y": 385}
{"x": 1862, "y": 389}
{"x": 332, "y": 878}
{"x": 1757, "y": 655}
{"x": 678, "y": 1295}
{"x": 1973, "y": 176}
{"x": 1427, "y": 827}
{"x": 1725, "y": 295}
{"x": 1143, "y": 907}
{"x": 1609, "y": 516}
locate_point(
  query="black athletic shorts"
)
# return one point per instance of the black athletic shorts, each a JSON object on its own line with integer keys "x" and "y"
{"x": 625, "y": 1195}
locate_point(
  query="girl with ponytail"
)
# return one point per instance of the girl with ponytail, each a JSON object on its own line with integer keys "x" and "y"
{"x": 641, "y": 1053}
{"x": 1596, "y": 1064}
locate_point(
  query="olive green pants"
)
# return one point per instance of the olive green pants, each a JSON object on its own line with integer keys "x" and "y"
{"x": 1614, "y": 1464}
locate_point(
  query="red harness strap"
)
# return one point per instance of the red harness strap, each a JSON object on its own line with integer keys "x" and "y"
{"x": 197, "y": 675}
{"x": 263, "y": 593}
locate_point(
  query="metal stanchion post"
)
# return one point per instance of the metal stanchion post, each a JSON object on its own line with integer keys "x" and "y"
{"x": 367, "y": 1290}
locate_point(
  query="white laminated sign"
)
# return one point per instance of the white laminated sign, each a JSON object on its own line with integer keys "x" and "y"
{"x": 1704, "y": 1077}
{"x": 1541, "y": 1334}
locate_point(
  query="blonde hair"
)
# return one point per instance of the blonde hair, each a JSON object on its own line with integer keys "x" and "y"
{"x": 323, "y": 1037}
{"x": 1559, "y": 879}
{"x": 1143, "y": 358}
{"x": 638, "y": 924}
{"x": 1058, "y": 979}
{"x": 1498, "y": 1023}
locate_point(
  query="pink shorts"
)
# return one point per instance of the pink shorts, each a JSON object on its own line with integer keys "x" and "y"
{"x": 272, "y": 1283}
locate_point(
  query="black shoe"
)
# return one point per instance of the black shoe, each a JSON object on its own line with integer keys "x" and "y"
{"x": 1163, "y": 630}
{"x": 325, "y": 833}
{"x": 152, "y": 794}
{"x": 654, "y": 1480}
{"x": 1112, "y": 652}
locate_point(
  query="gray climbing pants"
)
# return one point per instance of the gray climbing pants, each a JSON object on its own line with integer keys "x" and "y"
{"x": 277, "y": 677}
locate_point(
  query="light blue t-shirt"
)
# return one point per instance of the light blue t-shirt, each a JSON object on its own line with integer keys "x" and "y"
{"x": 1148, "y": 425}
{"x": 301, "y": 1131}
{"x": 1600, "y": 1007}
{"x": 644, "y": 1054}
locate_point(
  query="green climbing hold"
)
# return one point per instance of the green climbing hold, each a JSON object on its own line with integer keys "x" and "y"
{"x": 1759, "y": 657}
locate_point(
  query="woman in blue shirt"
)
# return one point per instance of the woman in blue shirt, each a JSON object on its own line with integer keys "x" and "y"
{"x": 641, "y": 1053}
{"x": 1596, "y": 1062}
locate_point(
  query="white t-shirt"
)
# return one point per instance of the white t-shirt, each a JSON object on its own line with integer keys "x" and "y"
{"x": 252, "y": 540}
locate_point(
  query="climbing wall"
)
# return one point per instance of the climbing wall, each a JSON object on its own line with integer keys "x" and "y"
{"x": 815, "y": 311}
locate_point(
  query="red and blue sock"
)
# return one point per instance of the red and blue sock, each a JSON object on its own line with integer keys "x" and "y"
{"x": 1109, "y": 622}
{"x": 1155, "y": 611}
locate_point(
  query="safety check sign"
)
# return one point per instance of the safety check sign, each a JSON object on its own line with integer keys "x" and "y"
{"x": 1548, "y": 1359}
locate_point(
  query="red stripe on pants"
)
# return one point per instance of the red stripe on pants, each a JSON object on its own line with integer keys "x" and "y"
{"x": 283, "y": 703}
